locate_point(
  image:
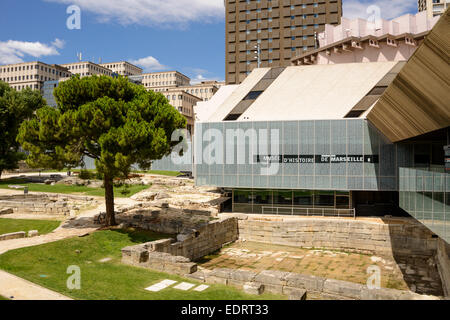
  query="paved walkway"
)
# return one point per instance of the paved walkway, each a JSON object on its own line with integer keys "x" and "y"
{"x": 16, "y": 288}
{"x": 20, "y": 289}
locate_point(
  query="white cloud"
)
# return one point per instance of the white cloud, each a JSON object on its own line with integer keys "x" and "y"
{"x": 152, "y": 12}
{"x": 58, "y": 43}
{"x": 389, "y": 9}
{"x": 149, "y": 64}
{"x": 13, "y": 51}
{"x": 199, "y": 78}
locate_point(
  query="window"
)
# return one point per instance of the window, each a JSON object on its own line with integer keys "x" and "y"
{"x": 253, "y": 95}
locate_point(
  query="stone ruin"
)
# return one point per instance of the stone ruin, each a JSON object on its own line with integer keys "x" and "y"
{"x": 46, "y": 204}
{"x": 199, "y": 234}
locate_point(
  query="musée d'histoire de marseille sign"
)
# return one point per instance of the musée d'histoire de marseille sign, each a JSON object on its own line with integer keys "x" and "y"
{"x": 317, "y": 159}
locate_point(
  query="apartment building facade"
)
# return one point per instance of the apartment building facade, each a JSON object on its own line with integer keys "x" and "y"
{"x": 124, "y": 68}
{"x": 31, "y": 74}
{"x": 184, "y": 102}
{"x": 205, "y": 90}
{"x": 278, "y": 28}
{"x": 163, "y": 81}
{"x": 433, "y": 7}
{"x": 87, "y": 68}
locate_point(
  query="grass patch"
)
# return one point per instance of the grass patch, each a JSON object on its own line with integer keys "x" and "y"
{"x": 3, "y": 298}
{"x": 123, "y": 191}
{"x": 15, "y": 225}
{"x": 104, "y": 281}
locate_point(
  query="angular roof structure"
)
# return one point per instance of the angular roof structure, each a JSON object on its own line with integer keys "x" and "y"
{"x": 307, "y": 92}
{"x": 418, "y": 100}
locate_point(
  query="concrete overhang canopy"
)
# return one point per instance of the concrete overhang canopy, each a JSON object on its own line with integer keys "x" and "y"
{"x": 418, "y": 100}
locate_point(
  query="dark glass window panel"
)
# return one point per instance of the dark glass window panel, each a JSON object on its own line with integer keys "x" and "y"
{"x": 324, "y": 199}
{"x": 422, "y": 159}
{"x": 263, "y": 197}
{"x": 242, "y": 196}
{"x": 355, "y": 114}
{"x": 282, "y": 197}
{"x": 342, "y": 202}
{"x": 303, "y": 198}
{"x": 232, "y": 117}
{"x": 253, "y": 95}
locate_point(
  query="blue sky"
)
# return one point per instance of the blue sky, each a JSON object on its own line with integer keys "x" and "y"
{"x": 183, "y": 35}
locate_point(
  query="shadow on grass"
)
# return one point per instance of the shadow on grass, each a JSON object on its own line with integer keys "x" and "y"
{"x": 209, "y": 257}
{"x": 143, "y": 236}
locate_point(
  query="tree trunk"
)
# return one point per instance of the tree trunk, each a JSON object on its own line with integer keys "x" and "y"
{"x": 109, "y": 200}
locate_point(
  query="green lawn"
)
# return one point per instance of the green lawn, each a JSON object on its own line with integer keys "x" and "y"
{"x": 15, "y": 225}
{"x": 3, "y": 298}
{"x": 47, "y": 264}
{"x": 119, "y": 192}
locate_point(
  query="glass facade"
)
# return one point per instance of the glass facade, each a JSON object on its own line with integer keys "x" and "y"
{"x": 47, "y": 89}
{"x": 426, "y": 196}
{"x": 337, "y": 155}
{"x": 174, "y": 162}
{"x": 282, "y": 201}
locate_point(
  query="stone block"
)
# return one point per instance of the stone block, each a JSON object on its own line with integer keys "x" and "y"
{"x": 253, "y": 288}
{"x": 310, "y": 283}
{"x": 344, "y": 288}
{"x": 4, "y": 211}
{"x": 242, "y": 276}
{"x": 14, "y": 235}
{"x": 272, "y": 277}
{"x": 298, "y": 294}
{"x": 380, "y": 294}
{"x": 33, "y": 233}
{"x": 134, "y": 255}
{"x": 197, "y": 276}
{"x": 180, "y": 268}
{"x": 211, "y": 278}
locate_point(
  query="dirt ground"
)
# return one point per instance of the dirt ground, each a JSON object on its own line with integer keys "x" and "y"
{"x": 338, "y": 265}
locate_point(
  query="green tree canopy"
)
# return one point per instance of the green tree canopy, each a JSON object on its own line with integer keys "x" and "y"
{"x": 15, "y": 107}
{"x": 113, "y": 121}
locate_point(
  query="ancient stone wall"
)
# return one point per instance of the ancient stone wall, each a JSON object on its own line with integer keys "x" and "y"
{"x": 390, "y": 237}
{"x": 14, "y": 235}
{"x": 285, "y": 283}
{"x": 193, "y": 245}
{"x": 141, "y": 257}
{"x": 162, "y": 218}
{"x": 45, "y": 203}
{"x": 443, "y": 264}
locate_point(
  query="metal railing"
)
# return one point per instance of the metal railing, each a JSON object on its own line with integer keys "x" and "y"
{"x": 313, "y": 212}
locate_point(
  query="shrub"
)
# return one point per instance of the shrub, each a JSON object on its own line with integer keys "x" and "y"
{"x": 85, "y": 175}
